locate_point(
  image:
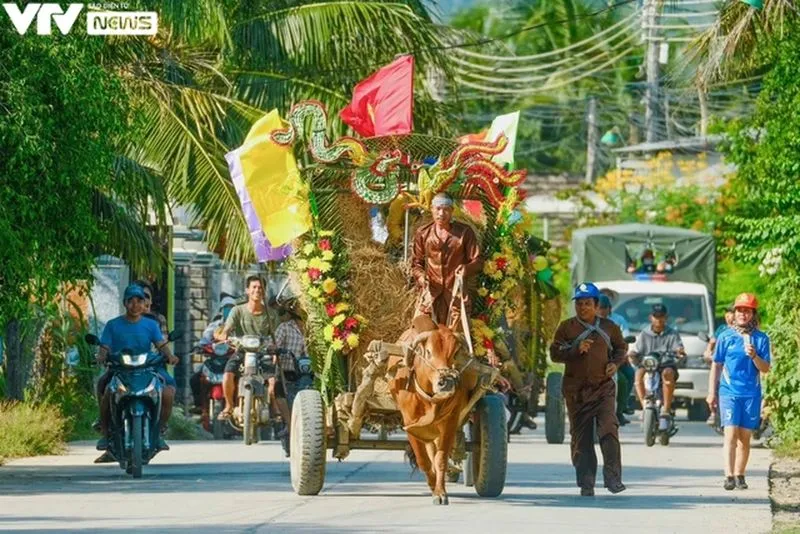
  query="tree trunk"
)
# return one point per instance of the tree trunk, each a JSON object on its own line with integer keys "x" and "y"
{"x": 15, "y": 361}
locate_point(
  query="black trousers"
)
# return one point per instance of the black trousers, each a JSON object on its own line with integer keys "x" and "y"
{"x": 585, "y": 406}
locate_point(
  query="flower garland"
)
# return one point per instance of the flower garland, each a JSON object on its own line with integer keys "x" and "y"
{"x": 323, "y": 277}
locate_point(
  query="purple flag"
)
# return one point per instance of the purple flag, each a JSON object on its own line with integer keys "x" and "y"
{"x": 264, "y": 250}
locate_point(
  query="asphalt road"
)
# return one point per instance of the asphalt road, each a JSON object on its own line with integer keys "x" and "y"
{"x": 227, "y": 487}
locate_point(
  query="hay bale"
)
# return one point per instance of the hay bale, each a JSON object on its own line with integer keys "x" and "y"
{"x": 354, "y": 214}
{"x": 381, "y": 294}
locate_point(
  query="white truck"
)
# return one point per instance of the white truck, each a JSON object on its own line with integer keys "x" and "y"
{"x": 608, "y": 256}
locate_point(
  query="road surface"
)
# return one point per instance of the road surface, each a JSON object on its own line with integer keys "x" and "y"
{"x": 227, "y": 487}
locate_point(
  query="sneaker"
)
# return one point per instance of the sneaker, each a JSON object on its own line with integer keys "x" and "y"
{"x": 740, "y": 482}
{"x": 162, "y": 444}
{"x": 616, "y": 487}
{"x": 622, "y": 419}
{"x": 663, "y": 423}
{"x": 587, "y": 492}
{"x": 102, "y": 444}
{"x": 730, "y": 483}
{"x": 528, "y": 422}
{"x": 105, "y": 458}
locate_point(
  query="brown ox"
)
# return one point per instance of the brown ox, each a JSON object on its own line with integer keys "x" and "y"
{"x": 430, "y": 392}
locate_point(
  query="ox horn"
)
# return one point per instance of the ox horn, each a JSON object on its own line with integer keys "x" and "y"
{"x": 408, "y": 358}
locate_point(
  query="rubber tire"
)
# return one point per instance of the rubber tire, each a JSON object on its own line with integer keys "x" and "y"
{"x": 554, "y": 411}
{"x": 247, "y": 417}
{"x": 698, "y": 411}
{"x": 308, "y": 443}
{"x": 137, "y": 451}
{"x": 490, "y": 452}
{"x": 663, "y": 439}
{"x": 216, "y": 425}
{"x": 649, "y": 427}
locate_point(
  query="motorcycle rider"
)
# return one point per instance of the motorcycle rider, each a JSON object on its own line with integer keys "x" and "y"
{"x": 195, "y": 382}
{"x": 658, "y": 337}
{"x": 252, "y": 318}
{"x": 742, "y": 354}
{"x": 625, "y": 373}
{"x": 137, "y": 333}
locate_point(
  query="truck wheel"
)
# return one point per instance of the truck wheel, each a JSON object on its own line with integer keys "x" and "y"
{"x": 490, "y": 447}
{"x": 698, "y": 411}
{"x": 554, "y": 409}
{"x": 307, "y": 443}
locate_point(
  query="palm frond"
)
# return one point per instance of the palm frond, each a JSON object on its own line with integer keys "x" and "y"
{"x": 127, "y": 236}
{"x": 733, "y": 46}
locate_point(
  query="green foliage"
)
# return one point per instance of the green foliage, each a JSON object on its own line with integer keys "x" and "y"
{"x": 27, "y": 430}
{"x": 181, "y": 427}
{"x": 736, "y": 277}
{"x": 62, "y": 115}
{"x": 766, "y": 217}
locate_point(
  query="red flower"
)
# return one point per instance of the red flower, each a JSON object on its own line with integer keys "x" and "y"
{"x": 314, "y": 274}
{"x": 488, "y": 344}
{"x": 490, "y": 301}
{"x": 501, "y": 263}
{"x": 325, "y": 244}
{"x": 351, "y": 323}
{"x": 336, "y": 332}
{"x": 484, "y": 318}
{"x": 330, "y": 309}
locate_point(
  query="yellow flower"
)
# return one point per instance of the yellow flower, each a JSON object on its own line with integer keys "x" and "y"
{"x": 352, "y": 341}
{"x": 327, "y": 255}
{"x": 328, "y": 333}
{"x": 342, "y": 307}
{"x": 497, "y": 275}
{"x": 304, "y": 278}
{"x": 314, "y": 292}
{"x": 483, "y": 291}
{"x": 339, "y": 319}
{"x": 329, "y": 285}
{"x": 490, "y": 268}
{"x": 361, "y": 320}
{"x": 308, "y": 249}
{"x": 337, "y": 344}
{"x": 325, "y": 266}
{"x": 301, "y": 265}
{"x": 316, "y": 263}
{"x": 326, "y": 233}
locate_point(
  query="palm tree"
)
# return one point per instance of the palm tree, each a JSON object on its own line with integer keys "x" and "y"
{"x": 730, "y": 48}
{"x": 215, "y": 67}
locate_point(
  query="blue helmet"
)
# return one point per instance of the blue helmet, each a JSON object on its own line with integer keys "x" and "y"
{"x": 586, "y": 290}
{"x": 133, "y": 290}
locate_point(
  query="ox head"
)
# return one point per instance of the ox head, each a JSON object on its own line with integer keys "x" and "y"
{"x": 432, "y": 355}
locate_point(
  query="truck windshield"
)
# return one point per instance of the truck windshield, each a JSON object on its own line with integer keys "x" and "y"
{"x": 686, "y": 313}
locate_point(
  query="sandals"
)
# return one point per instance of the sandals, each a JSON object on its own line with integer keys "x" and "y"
{"x": 225, "y": 415}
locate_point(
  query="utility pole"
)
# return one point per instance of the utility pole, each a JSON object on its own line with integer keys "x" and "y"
{"x": 703, "y": 97}
{"x": 591, "y": 140}
{"x": 653, "y": 68}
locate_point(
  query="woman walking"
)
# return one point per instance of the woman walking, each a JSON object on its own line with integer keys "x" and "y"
{"x": 741, "y": 355}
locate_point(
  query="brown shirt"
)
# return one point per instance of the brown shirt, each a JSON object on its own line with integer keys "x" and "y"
{"x": 437, "y": 260}
{"x": 589, "y": 368}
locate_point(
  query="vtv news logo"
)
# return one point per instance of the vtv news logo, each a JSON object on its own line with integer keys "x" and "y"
{"x": 97, "y": 22}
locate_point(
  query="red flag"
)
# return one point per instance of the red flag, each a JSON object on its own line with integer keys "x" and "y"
{"x": 382, "y": 104}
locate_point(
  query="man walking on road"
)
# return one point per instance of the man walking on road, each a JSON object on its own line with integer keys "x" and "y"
{"x": 592, "y": 349}
{"x": 741, "y": 355}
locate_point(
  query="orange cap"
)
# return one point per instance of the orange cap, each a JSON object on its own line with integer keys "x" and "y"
{"x": 746, "y": 300}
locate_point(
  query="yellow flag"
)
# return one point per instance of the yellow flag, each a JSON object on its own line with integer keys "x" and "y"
{"x": 272, "y": 179}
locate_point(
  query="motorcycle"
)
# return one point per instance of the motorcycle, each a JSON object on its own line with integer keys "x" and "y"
{"x": 653, "y": 364}
{"x": 211, "y": 374}
{"x": 252, "y": 411}
{"x": 136, "y": 390}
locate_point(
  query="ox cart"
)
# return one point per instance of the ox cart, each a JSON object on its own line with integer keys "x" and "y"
{"x": 367, "y": 197}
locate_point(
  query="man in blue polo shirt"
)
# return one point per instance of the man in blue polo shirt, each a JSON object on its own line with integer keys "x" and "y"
{"x": 741, "y": 355}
